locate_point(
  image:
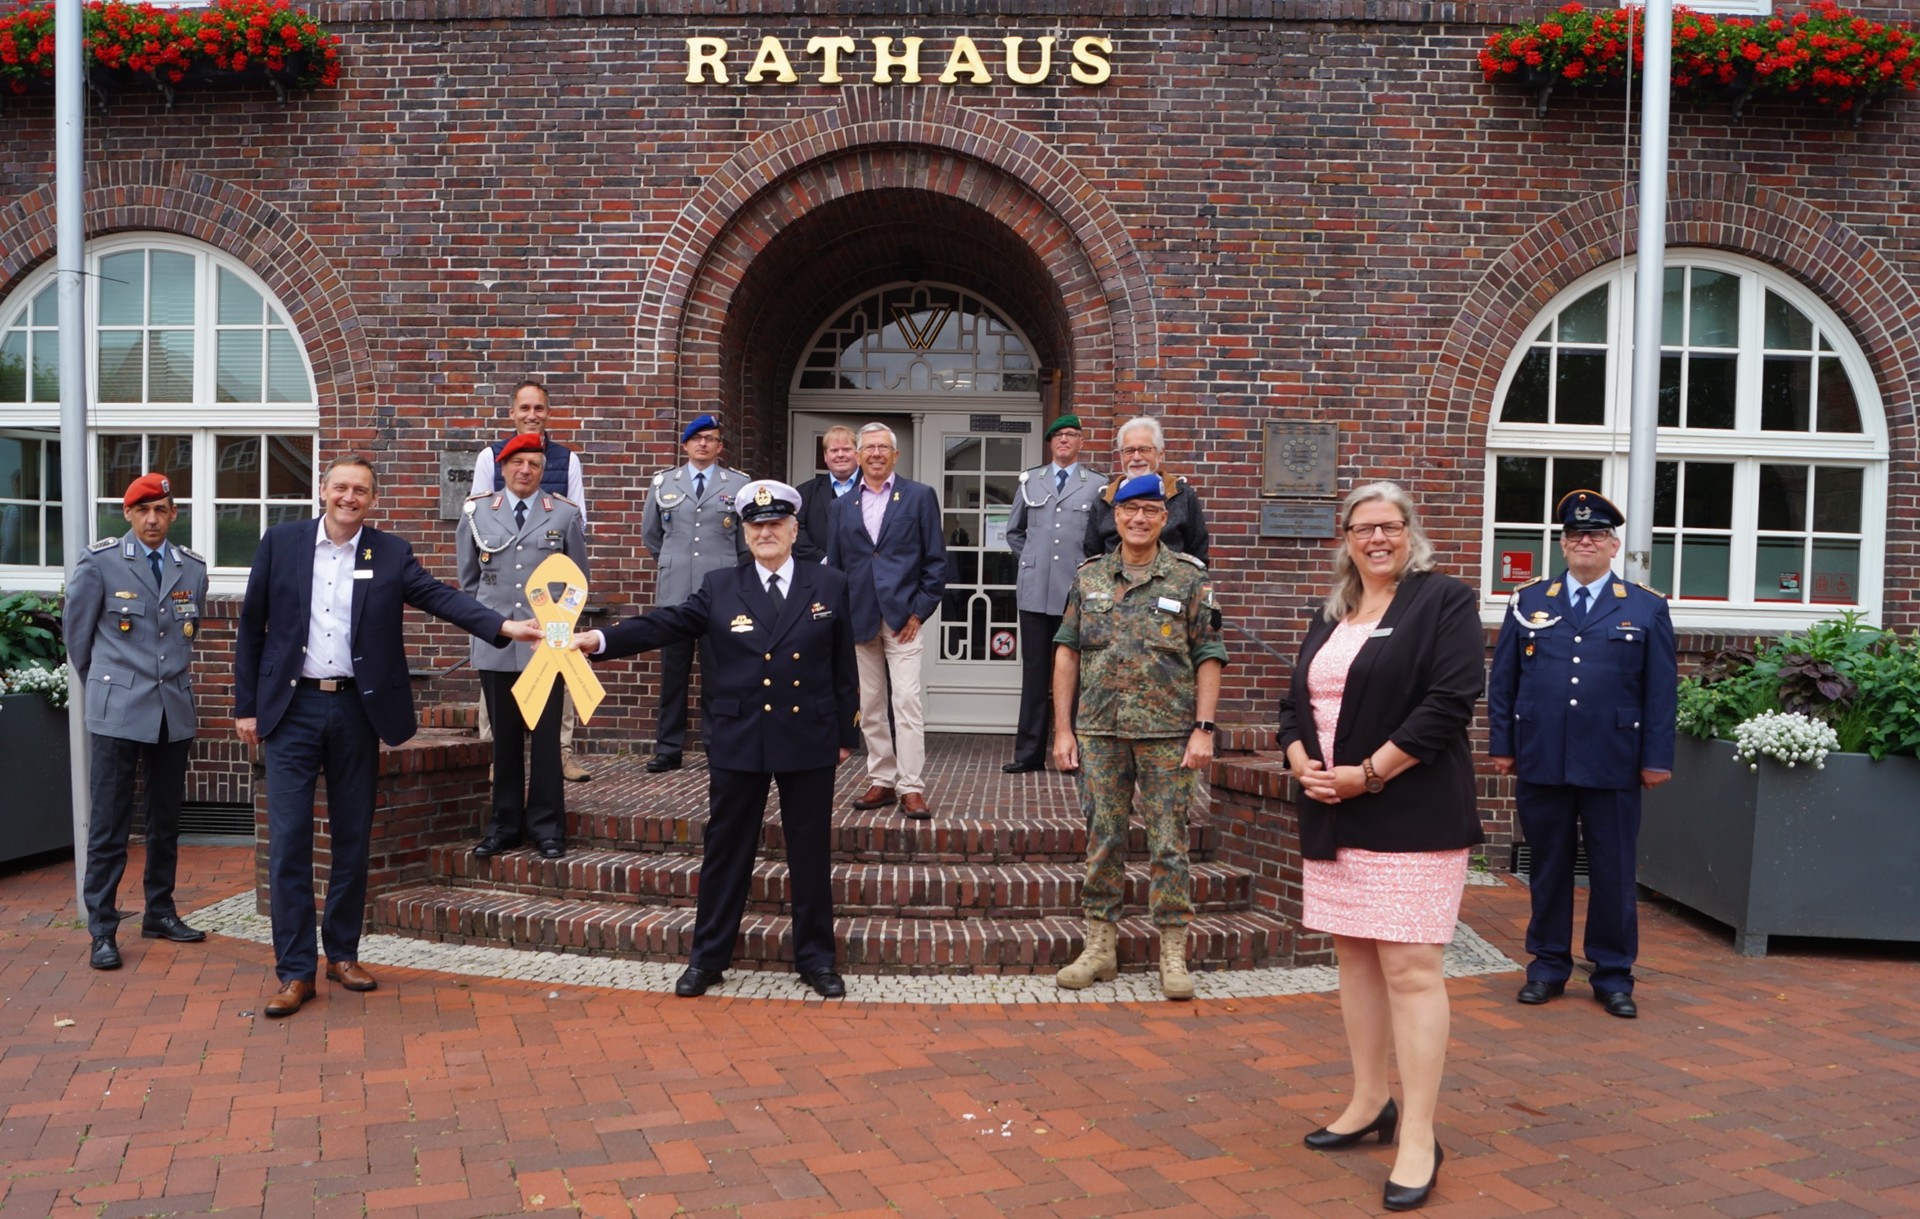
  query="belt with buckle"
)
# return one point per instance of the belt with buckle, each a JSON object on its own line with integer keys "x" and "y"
{"x": 330, "y": 685}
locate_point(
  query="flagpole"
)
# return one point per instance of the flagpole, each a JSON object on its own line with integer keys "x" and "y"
{"x": 1650, "y": 278}
{"x": 70, "y": 252}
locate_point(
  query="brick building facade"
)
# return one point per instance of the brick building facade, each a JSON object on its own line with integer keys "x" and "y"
{"x": 1271, "y": 211}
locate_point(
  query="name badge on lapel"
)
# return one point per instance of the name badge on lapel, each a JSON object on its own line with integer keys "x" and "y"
{"x": 362, "y": 573}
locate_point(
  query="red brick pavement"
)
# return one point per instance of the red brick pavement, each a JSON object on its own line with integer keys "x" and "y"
{"x": 1748, "y": 1087}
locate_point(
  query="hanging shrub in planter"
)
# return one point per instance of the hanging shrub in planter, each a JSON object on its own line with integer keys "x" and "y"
{"x": 232, "y": 43}
{"x": 1824, "y": 54}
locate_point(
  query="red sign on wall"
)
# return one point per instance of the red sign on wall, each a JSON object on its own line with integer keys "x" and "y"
{"x": 1516, "y": 565}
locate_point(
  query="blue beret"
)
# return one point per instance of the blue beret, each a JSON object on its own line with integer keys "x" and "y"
{"x": 1585, "y": 511}
{"x": 1144, "y": 486}
{"x": 766, "y": 500}
{"x": 698, "y": 425}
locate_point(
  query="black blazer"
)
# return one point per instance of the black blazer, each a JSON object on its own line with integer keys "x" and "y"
{"x": 779, "y": 693}
{"x": 1417, "y": 688}
{"x": 274, "y": 621}
{"x": 816, "y": 497}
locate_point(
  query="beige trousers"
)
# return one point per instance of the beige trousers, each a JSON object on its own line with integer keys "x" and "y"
{"x": 895, "y": 759}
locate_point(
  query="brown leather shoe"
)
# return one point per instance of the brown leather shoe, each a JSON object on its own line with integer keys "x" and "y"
{"x": 876, "y": 797}
{"x": 914, "y": 805}
{"x": 350, "y": 975}
{"x": 292, "y": 997}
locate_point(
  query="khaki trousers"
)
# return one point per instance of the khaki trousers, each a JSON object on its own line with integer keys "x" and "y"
{"x": 897, "y": 758}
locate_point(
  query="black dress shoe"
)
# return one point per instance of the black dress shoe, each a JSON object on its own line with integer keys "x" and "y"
{"x": 661, "y": 762}
{"x": 1388, "y": 1121}
{"x": 696, "y": 980}
{"x": 1412, "y": 1197}
{"x": 826, "y": 983}
{"x": 105, "y": 954}
{"x": 493, "y": 844}
{"x": 552, "y": 848}
{"x": 170, "y": 927}
{"x": 1022, "y": 768}
{"x": 1537, "y": 992}
{"x": 1618, "y": 1003}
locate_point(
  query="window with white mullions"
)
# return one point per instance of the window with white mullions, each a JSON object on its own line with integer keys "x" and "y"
{"x": 1770, "y": 480}
{"x": 196, "y": 373}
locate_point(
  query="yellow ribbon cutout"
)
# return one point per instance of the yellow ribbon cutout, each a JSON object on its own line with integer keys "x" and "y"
{"x": 554, "y": 656}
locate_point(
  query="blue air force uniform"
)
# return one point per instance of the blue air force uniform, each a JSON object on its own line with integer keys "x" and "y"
{"x": 1583, "y": 704}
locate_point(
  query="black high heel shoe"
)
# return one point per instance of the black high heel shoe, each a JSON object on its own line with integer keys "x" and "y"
{"x": 1413, "y": 1197}
{"x": 1388, "y": 1122}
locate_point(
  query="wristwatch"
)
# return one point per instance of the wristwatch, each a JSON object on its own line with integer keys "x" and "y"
{"x": 1203, "y": 726}
{"x": 1375, "y": 784}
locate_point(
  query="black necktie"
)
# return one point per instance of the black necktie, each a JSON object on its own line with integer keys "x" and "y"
{"x": 774, "y": 594}
{"x": 1581, "y": 599}
{"x": 1059, "y": 480}
{"x": 153, "y": 561}
{"x": 520, "y": 515}
{"x": 699, "y": 486}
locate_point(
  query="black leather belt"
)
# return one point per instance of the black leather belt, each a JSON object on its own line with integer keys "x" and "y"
{"x": 331, "y": 685}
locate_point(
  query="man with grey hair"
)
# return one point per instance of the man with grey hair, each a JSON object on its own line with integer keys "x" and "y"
{"x": 885, "y": 535}
{"x": 1142, "y": 446}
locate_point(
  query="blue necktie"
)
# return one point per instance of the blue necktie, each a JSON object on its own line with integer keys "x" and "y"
{"x": 520, "y": 515}
{"x": 699, "y": 486}
{"x": 1059, "y": 481}
{"x": 1581, "y": 600}
{"x": 773, "y": 591}
{"x": 153, "y": 561}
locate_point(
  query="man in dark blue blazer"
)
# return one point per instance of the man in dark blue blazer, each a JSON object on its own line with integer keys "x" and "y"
{"x": 885, "y": 535}
{"x": 1580, "y": 706}
{"x": 321, "y": 679}
{"x": 781, "y": 704}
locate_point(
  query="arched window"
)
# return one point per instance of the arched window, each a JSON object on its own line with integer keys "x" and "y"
{"x": 918, "y": 338}
{"x": 1770, "y": 481}
{"x": 194, "y": 371}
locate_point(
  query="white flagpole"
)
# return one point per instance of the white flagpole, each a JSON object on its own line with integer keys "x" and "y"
{"x": 76, "y": 510}
{"x": 1650, "y": 277}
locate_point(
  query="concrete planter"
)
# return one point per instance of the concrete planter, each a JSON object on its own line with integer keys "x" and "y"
{"x": 37, "y": 814}
{"x": 1787, "y": 852}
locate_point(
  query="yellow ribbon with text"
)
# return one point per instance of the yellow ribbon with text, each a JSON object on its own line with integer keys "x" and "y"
{"x": 554, "y": 656}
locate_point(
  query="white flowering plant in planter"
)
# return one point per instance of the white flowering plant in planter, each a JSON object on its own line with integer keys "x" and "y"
{"x": 51, "y": 684}
{"x": 1785, "y": 736}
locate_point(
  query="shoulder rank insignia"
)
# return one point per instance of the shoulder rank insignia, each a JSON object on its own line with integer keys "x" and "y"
{"x": 1656, "y": 592}
{"x": 195, "y": 555}
{"x": 478, "y": 495}
{"x": 1181, "y": 554}
{"x": 1530, "y": 583}
{"x": 104, "y": 544}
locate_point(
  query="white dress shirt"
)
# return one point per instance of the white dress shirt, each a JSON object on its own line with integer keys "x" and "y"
{"x": 330, "y": 613}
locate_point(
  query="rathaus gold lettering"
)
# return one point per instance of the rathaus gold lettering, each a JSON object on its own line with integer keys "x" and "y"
{"x": 1089, "y": 61}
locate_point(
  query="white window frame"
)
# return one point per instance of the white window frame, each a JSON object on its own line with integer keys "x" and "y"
{"x": 1745, "y": 445}
{"x": 203, "y": 418}
{"x": 1719, "y": 8}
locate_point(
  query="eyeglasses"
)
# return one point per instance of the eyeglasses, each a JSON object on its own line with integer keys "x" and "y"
{"x": 1140, "y": 507}
{"x": 1587, "y": 537}
{"x": 1139, "y": 450}
{"x": 1386, "y": 529}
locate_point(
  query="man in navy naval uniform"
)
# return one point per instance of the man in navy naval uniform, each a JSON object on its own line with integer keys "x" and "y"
{"x": 133, "y": 606}
{"x": 1580, "y": 706}
{"x": 781, "y": 701}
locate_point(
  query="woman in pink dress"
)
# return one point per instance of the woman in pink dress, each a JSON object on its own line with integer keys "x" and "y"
{"x": 1374, "y": 724}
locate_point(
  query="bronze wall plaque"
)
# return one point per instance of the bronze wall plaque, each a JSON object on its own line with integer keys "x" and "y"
{"x": 1311, "y": 521}
{"x": 1302, "y": 459}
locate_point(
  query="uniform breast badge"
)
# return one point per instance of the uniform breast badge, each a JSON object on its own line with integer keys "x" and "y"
{"x": 554, "y": 657}
{"x": 741, "y": 624}
{"x": 186, "y": 628}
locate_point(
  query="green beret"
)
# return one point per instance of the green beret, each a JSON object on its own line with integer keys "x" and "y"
{"x": 1072, "y": 421}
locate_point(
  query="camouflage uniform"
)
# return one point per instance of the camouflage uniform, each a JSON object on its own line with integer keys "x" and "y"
{"x": 1140, "y": 646}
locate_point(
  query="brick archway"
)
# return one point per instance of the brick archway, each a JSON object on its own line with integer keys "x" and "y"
{"x": 879, "y": 141}
{"x": 147, "y": 196}
{"x": 1711, "y": 211}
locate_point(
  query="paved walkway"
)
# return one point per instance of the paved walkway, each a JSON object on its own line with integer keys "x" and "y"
{"x": 1748, "y": 1087}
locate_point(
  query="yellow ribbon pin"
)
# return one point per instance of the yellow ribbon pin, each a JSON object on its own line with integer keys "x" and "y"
{"x": 554, "y": 656}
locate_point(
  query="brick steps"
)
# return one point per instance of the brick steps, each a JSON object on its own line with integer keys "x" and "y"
{"x": 890, "y": 890}
{"x": 867, "y": 945}
{"x": 879, "y": 836}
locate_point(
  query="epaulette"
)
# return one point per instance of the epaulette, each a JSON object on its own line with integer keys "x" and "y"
{"x": 480, "y": 495}
{"x": 195, "y": 555}
{"x": 1181, "y": 554}
{"x": 105, "y": 544}
{"x": 1656, "y": 592}
{"x": 1092, "y": 559}
{"x": 1528, "y": 584}
{"x": 563, "y": 499}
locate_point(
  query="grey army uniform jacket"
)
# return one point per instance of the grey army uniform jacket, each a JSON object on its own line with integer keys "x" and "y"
{"x": 496, "y": 557}
{"x": 1047, "y": 530}
{"x": 130, "y": 643}
{"x": 690, "y": 535}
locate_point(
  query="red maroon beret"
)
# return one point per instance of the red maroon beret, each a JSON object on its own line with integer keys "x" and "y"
{"x": 146, "y": 489}
{"x": 525, "y": 442}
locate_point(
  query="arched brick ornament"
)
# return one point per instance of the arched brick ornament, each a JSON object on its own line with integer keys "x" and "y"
{"x": 150, "y": 196}
{"x": 880, "y": 138}
{"x": 1711, "y": 211}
